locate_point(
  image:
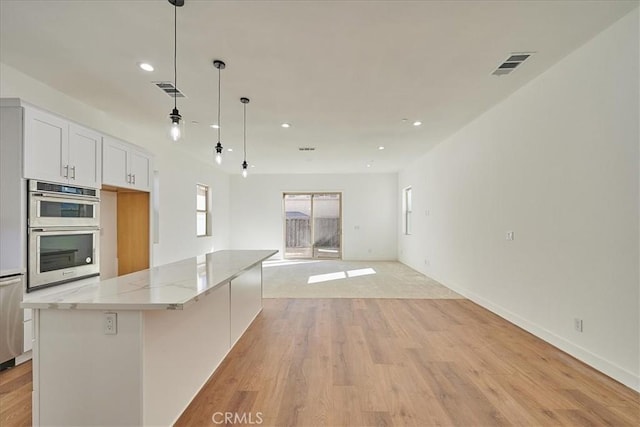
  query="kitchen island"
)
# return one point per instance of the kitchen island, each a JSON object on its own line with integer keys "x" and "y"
{"x": 136, "y": 349}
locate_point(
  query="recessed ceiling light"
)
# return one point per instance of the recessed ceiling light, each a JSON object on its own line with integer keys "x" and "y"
{"x": 253, "y": 166}
{"x": 214, "y": 126}
{"x": 405, "y": 120}
{"x": 145, "y": 66}
{"x": 229, "y": 149}
{"x": 285, "y": 125}
{"x": 368, "y": 165}
{"x": 381, "y": 148}
{"x": 417, "y": 123}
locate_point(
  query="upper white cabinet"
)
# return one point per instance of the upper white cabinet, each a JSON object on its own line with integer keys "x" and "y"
{"x": 125, "y": 166}
{"x": 85, "y": 156}
{"x": 60, "y": 151}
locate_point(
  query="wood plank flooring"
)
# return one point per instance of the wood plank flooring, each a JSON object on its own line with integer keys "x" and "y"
{"x": 386, "y": 362}
{"x": 15, "y": 396}
{"x": 383, "y": 362}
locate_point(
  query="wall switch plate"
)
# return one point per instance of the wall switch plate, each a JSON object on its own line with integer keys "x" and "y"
{"x": 577, "y": 324}
{"x": 509, "y": 235}
{"x": 110, "y": 323}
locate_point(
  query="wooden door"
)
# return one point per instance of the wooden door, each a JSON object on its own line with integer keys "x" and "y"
{"x": 133, "y": 231}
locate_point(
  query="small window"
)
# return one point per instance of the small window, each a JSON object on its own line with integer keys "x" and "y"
{"x": 203, "y": 210}
{"x": 406, "y": 209}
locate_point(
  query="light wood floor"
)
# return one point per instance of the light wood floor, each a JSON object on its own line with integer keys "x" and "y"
{"x": 383, "y": 362}
{"x": 15, "y": 396}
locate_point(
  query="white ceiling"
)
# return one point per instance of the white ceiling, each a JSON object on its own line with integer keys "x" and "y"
{"x": 344, "y": 74}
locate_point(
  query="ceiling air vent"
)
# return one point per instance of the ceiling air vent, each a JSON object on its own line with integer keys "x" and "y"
{"x": 306, "y": 148}
{"x": 169, "y": 89}
{"x": 513, "y": 61}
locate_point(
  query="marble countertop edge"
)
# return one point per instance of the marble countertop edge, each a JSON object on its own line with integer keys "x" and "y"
{"x": 172, "y": 286}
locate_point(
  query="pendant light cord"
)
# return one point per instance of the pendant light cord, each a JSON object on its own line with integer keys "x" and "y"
{"x": 244, "y": 137}
{"x": 219, "y": 72}
{"x": 175, "y": 55}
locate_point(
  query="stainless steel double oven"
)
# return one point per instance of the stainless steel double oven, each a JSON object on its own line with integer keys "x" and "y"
{"x": 64, "y": 234}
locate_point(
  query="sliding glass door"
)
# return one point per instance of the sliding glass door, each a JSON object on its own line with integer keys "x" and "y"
{"x": 313, "y": 225}
{"x": 297, "y": 214}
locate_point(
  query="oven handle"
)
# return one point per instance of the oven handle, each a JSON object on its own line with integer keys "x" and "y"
{"x": 64, "y": 229}
{"x": 90, "y": 199}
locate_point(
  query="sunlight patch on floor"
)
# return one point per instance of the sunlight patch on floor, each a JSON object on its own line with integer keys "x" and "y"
{"x": 319, "y": 278}
{"x": 284, "y": 262}
{"x": 361, "y": 272}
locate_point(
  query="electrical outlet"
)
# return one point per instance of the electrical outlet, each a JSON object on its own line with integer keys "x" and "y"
{"x": 577, "y": 324}
{"x": 509, "y": 235}
{"x": 110, "y": 323}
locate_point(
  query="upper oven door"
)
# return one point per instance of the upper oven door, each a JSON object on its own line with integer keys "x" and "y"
{"x": 56, "y": 210}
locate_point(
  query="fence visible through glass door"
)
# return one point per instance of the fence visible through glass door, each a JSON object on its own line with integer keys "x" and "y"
{"x": 313, "y": 223}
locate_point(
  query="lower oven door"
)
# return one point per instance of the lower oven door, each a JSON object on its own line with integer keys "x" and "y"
{"x": 59, "y": 255}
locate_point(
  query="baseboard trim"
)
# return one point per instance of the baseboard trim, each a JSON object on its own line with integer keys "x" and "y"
{"x": 602, "y": 365}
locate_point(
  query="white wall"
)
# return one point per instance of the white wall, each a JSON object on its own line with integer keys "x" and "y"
{"x": 556, "y": 163}
{"x": 368, "y": 208}
{"x": 179, "y": 171}
{"x": 108, "y": 234}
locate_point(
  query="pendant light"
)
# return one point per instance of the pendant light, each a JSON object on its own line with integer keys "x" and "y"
{"x": 220, "y": 66}
{"x": 245, "y": 165}
{"x": 175, "y": 116}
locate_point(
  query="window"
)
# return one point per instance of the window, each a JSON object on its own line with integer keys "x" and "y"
{"x": 406, "y": 209}
{"x": 203, "y": 210}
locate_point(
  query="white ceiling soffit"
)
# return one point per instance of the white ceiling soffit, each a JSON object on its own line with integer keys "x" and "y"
{"x": 344, "y": 74}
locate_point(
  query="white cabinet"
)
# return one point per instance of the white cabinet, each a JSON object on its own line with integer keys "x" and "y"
{"x": 27, "y": 326}
{"x": 28, "y": 335}
{"x": 125, "y": 166}
{"x": 85, "y": 156}
{"x": 245, "y": 301}
{"x": 57, "y": 150}
{"x": 140, "y": 170}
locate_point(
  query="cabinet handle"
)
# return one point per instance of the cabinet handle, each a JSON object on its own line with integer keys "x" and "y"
{"x": 134, "y": 178}
{"x": 128, "y": 178}
{"x": 73, "y": 169}
{"x": 66, "y": 171}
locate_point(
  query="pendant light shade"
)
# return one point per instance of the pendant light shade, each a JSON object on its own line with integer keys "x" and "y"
{"x": 219, "y": 153}
{"x": 175, "y": 131}
{"x": 220, "y": 66}
{"x": 245, "y": 165}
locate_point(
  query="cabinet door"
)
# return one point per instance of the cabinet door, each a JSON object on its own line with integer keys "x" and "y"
{"x": 27, "y": 330}
{"x": 85, "y": 156}
{"x": 114, "y": 163}
{"x": 45, "y": 146}
{"x": 140, "y": 170}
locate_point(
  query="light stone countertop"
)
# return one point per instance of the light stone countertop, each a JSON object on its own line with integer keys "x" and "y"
{"x": 166, "y": 287}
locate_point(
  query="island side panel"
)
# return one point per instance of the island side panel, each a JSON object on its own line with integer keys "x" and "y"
{"x": 85, "y": 377}
{"x": 182, "y": 349}
{"x": 246, "y": 301}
